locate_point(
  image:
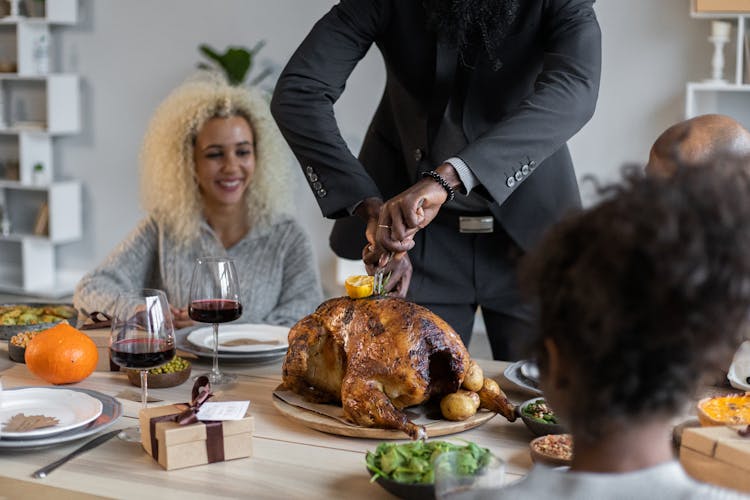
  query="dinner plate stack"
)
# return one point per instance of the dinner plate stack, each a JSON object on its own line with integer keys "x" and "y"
{"x": 79, "y": 413}
{"x": 525, "y": 375}
{"x": 241, "y": 343}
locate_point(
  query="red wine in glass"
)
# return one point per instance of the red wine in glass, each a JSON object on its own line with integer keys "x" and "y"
{"x": 215, "y": 299}
{"x": 214, "y": 310}
{"x": 141, "y": 354}
{"x": 141, "y": 337}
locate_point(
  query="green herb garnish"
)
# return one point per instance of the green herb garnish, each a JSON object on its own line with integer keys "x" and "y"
{"x": 538, "y": 410}
{"x": 413, "y": 462}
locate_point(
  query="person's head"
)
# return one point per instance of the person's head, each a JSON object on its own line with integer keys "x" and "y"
{"x": 211, "y": 144}
{"x": 642, "y": 296}
{"x": 698, "y": 141}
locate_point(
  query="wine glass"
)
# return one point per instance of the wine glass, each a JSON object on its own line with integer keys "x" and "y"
{"x": 455, "y": 475}
{"x": 142, "y": 338}
{"x": 215, "y": 298}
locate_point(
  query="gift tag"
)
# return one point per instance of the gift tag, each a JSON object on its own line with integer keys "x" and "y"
{"x": 226, "y": 410}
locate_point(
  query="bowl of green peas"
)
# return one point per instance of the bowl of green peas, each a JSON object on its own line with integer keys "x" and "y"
{"x": 539, "y": 417}
{"x": 171, "y": 374}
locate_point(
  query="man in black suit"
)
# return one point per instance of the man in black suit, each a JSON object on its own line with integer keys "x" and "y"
{"x": 467, "y": 145}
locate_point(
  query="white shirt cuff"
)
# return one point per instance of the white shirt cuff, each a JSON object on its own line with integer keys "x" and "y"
{"x": 468, "y": 179}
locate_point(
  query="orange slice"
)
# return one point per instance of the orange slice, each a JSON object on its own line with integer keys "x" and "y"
{"x": 359, "y": 286}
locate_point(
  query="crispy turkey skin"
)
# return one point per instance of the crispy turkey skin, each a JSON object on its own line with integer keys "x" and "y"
{"x": 376, "y": 356}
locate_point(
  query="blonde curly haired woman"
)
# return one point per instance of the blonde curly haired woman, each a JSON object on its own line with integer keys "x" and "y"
{"x": 215, "y": 180}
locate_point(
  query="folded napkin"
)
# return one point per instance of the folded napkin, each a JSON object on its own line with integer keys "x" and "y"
{"x": 95, "y": 321}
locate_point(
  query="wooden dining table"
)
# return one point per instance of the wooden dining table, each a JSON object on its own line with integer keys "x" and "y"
{"x": 290, "y": 460}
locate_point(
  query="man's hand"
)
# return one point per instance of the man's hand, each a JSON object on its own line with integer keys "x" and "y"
{"x": 396, "y": 266}
{"x": 408, "y": 212}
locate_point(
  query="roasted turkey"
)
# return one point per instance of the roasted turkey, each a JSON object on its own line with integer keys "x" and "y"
{"x": 376, "y": 356}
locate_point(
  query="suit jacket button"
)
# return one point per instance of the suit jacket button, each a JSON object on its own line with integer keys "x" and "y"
{"x": 418, "y": 154}
{"x": 510, "y": 182}
{"x": 532, "y": 164}
{"x": 525, "y": 170}
{"x": 309, "y": 170}
{"x": 317, "y": 186}
{"x": 312, "y": 177}
{"x": 322, "y": 193}
{"x": 519, "y": 175}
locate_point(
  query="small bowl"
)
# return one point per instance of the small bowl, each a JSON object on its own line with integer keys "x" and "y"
{"x": 16, "y": 353}
{"x": 738, "y": 399}
{"x": 406, "y": 491}
{"x": 537, "y": 455}
{"x": 538, "y": 427}
{"x": 160, "y": 380}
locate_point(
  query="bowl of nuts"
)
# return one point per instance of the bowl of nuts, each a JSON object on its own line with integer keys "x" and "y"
{"x": 173, "y": 373}
{"x": 17, "y": 345}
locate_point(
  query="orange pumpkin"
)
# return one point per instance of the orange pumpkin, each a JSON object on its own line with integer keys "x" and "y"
{"x": 61, "y": 355}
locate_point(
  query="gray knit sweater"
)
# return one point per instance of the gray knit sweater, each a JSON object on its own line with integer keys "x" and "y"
{"x": 278, "y": 277}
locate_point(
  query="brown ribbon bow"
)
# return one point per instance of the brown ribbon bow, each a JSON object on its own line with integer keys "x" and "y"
{"x": 214, "y": 435}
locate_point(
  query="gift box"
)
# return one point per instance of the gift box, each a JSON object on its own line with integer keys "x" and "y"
{"x": 717, "y": 455}
{"x": 175, "y": 438}
{"x": 722, "y": 5}
{"x": 101, "y": 340}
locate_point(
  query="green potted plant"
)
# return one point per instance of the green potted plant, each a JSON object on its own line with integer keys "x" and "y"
{"x": 235, "y": 63}
{"x": 38, "y": 173}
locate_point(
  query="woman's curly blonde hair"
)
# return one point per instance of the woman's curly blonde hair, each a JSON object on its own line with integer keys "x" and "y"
{"x": 169, "y": 188}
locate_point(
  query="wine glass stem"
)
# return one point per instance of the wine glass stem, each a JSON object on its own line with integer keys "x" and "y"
{"x": 144, "y": 389}
{"x": 215, "y": 369}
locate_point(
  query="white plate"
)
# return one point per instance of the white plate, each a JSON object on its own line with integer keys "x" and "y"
{"x": 530, "y": 370}
{"x": 514, "y": 375}
{"x": 111, "y": 412}
{"x": 71, "y": 408}
{"x": 269, "y": 338}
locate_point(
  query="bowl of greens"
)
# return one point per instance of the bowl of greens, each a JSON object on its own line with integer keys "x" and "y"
{"x": 406, "y": 469}
{"x": 539, "y": 418}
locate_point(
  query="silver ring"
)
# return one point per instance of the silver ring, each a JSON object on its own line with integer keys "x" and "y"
{"x": 383, "y": 226}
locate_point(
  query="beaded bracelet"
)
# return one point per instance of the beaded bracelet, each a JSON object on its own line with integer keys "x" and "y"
{"x": 441, "y": 180}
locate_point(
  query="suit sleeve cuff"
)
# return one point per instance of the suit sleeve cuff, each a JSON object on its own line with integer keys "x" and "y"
{"x": 468, "y": 179}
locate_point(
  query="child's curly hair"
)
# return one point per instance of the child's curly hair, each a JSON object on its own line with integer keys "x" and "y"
{"x": 647, "y": 292}
{"x": 169, "y": 189}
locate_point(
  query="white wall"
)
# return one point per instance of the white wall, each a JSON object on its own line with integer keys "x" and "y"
{"x": 130, "y": 54}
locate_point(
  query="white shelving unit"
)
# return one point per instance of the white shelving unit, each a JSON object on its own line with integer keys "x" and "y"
{"x": 731, "y": 98}
{"x": 36, "y": 106}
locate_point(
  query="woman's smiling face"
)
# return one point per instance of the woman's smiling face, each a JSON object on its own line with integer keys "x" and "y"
{"x": 224, "y": 155}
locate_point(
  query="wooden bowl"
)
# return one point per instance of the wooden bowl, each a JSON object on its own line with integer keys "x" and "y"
{"x": 740, "y": 415}
{"x": 160, "y": 380}
{"x": 536, "y": 426}
{"x": 539, "y": 454}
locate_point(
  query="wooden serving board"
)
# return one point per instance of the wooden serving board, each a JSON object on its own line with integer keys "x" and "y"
{"x": 330, "y": 425}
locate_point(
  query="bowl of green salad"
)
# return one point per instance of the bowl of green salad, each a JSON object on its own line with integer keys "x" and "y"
{"x": 540, "y": 418}
{"x": 406, "y": 470}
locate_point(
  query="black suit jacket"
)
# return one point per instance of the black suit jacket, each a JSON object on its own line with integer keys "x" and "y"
{"x": 517, "y": 119}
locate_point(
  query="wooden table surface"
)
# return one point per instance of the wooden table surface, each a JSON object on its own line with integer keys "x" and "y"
{"x": 289, "y": 460}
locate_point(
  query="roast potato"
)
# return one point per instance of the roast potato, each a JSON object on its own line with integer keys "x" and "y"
{"x": 459, "y": 405}
{"x": 474, "y": 377}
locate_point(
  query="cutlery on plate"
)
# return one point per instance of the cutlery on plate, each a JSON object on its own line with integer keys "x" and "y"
{"x": 44, "y": 471}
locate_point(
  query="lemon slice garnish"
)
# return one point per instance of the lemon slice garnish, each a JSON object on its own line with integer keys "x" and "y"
{"x": 359, "y": 286}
